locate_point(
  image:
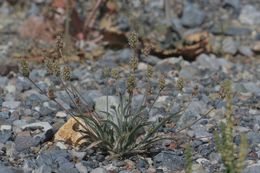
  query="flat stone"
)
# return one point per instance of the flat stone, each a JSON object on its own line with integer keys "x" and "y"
{"x": 244, "y": 50}
{"x": 255, "y": 168}
{"x": 44, "y": 126}
{"x": 5, "y": 127}
{"x": 230, "y": 46}
{"x": 67, "y": 134}
{"x": 81, "y": 168}
{"x": 4, "y": 115}
{"x": 169, "y": 159}
{"x": 98, "y": 170}
{"x": 249, "y": 15}
{"x": 61, "y": 114}
{"x": 43, "y": 169}
{"x": 101, "y": 104}
{"x": 5, "y": 136}
{"x": 24, "y": 141}
{"x": 11, "y": 104}
{"x": 4, "y": 169}
{"x": 192, "y": 16}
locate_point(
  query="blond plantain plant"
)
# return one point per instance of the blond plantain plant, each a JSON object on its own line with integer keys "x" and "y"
{"x": 124, "y": 130}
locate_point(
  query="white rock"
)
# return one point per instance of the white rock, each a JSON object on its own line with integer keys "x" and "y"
{"x": 44, "y": 125}
{"x": 61, "y": 145}
{"x": 61, "y": 114}
{"x": 81, "y": 168}
{"x": 5, "y": 127}
{"x": 11, "y": 104}
{"x": 10, "y": 88}
{"x": 142, "y": 66}
{"x": 249, "y": 15}
{"x": 202, "y": 160}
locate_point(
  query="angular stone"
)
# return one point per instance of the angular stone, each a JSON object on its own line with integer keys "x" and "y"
{"x": 101, "y": 104}
{"x": 67, "y": 134}
{"x": 61, "y": 114}
{"x": 45, "y": 126}
{"x": 81, "y": 168}
{"x": 11, "y": 104}
{"x": 192, "y": 16}
{"x": 4, "y": 136}
{"x": 5, "y": 127}
{"x": 43, "y": 169}
{"x": 24, "y": 141}
{"x": 98, "y": 170}
{"x": 4, "y": 169}
{"x": 169, "y": 159}
{"x": 230, "y": 46}
{"x": 255, "y": 168}
{"x": 249, "y": 15}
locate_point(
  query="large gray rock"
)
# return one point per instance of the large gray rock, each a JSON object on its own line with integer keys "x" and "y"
{"x": 255, "y": 168}
{"x": 11, "y": 104}
{"x": 4, "y": 136}
{"x": 192, "y": 16}
{"x": 42, "y": 169}
{"x": 101, "y": 104}
{"x": 98, "y": 170}
{"x": 169, "y": 64}
{"x": 230, "y": 46}
{"x": 81, "y": 168}
{"x": 169, "y": 159}
{"x": 235, "y": 4}
{"x": 25, "y": 141}
{"x": 249, "y": 15}
{"x": 211, "y": 62}
{"x": 191, "y": 114}
{"x": 4, "y": 169}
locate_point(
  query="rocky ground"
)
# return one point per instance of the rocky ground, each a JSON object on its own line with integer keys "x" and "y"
{"x": 28, "y": 120}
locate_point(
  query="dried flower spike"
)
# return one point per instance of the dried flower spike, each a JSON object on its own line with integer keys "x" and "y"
{"x": 195, "y": 90}
{"x": 66, "y": 73}
{"x": 77, "y": 100}
{"x": 134, "y": 63}
{"x": 146, "y": 51}
{"x": 106, "y": 72}
{"x": 115, "y": 73}
{"x": 225, "y": 89}
{"x": 50, "y": 93}
{"x": 133, "y": 40}
{"x": 49, "y": 64}
{"x": 180, "y": 84}
{"x": 59, "y": 42}
{"x": 162, "y": 82}
{"x": 25, "y": 69}
{"x": 149, "y": 72}
{"x": 148, "y": 88}
{"x": 131, "y": 84}
{"x": 56, "y": 68}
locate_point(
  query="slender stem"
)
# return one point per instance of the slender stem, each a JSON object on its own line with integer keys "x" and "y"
{"x": 195, "y": 121}
{"x": 154, "y": 101}
{"x": 107, "y": 93}
{"x": 67, "y": 111}
{"x": 66, "y": 90}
